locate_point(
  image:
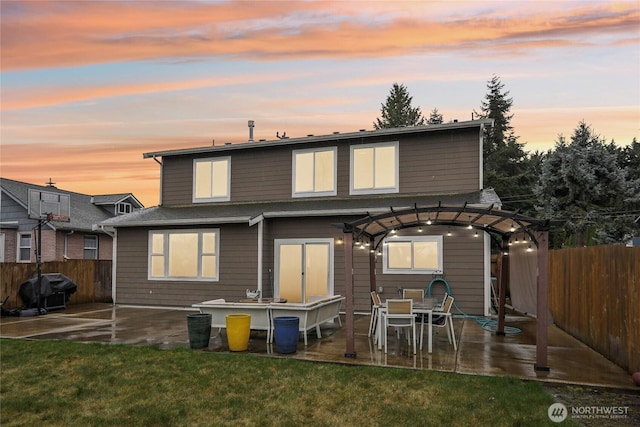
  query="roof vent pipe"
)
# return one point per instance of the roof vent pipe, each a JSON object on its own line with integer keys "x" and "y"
{"x": 250, "y": 123}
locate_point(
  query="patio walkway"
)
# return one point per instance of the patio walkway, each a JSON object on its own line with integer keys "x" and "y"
{"x": 479, "y": 352}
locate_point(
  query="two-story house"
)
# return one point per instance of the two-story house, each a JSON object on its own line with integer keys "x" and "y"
{"x": 79, "y": 238}
{"x": 267, "y": 215}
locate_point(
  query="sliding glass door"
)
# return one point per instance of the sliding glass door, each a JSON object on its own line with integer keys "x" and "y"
{"x": 304, "y": 269}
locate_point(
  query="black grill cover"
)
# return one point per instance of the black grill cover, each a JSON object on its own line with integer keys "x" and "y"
{"x": 51, "y": 283}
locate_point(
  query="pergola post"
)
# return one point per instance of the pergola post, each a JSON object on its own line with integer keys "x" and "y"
{"x": 348, "y": 285}
{"x": 541, "y": 305}
{"x": 502, "y": 285}
{"x": 372, "y": 269}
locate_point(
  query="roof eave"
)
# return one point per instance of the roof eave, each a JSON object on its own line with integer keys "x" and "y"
{"x": 481, "y": 123}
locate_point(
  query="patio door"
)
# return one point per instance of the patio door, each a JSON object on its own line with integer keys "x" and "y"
{"x": 303, "y": 269}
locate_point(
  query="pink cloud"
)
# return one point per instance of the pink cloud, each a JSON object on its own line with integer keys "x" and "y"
{"x": 55, "y": 34}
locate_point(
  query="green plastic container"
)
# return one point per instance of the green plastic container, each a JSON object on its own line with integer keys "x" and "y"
{"x": 199, "y": 325}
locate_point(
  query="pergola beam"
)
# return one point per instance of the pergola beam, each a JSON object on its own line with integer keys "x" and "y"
{"x": 485, "y": 217}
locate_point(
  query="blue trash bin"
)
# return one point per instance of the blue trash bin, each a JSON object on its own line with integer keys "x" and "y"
{"x": 286, "y": 334}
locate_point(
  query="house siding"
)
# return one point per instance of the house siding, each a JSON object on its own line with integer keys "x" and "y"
{"x": 463, "y": 266}
{"x": 265, "y": 174}
{"x": 238, "y": 270}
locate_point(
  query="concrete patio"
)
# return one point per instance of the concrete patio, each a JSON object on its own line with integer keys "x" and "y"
{"x": 480, "y": 352}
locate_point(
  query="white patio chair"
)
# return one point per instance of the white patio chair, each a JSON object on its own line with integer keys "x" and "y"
{"x": 444, "y": 319}
{"x": 375, "y": 312}
{"x": 400, "y": 315}
{"x": 417, "y": 295}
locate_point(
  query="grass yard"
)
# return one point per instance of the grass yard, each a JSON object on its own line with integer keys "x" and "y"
{"x": 73, "y": 384}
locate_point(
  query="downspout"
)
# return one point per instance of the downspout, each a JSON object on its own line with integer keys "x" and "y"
{"x": 487, "y": 274}
{"x": 481, "y": 168}
{"x": 260, "y": 221}
{"x": 161, "y": 171}
{"x": 114, "y": 253}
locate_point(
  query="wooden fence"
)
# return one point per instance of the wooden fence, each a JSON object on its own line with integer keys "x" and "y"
{"x": 92, "y": 277}
{"x": 594, "y": 295}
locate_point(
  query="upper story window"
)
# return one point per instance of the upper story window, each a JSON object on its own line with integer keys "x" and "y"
{"x": 184, "y": 254}
{"x": 374, "y": 168}
{"x": 412, "y": 255}
{"x": 124, "y": 208}
{"x": 212, "y": 179}
{"x": 314, "y": 172}
{"x": 24, "y": 247}
{"x": 90, "y": 250}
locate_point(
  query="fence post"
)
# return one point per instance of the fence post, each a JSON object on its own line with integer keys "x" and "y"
{"x": 542, "y": 238}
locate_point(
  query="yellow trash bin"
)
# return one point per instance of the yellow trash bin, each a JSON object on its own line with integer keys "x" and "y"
{"x": 238, "y": 330}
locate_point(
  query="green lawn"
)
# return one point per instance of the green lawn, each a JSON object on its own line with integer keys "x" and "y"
{"x": 74, "y": 384}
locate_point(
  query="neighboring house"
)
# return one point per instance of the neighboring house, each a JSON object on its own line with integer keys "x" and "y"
{"x": 267, "y": 215}
{"x": 80, "y": 238}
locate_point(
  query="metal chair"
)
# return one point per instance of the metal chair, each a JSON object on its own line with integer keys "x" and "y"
{"x": 400, "y": 315}
{"x": 417, "y": 295}
{"x": 375, "y": 312}
{"x": 445, "y": 320}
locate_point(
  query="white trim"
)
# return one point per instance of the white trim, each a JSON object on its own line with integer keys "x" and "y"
{"x": 114, "y": 262}
{"x": 165, "y": 253}
{"x": 85, "y": 248}
{"x": 19, "y": 247}
{"x": 487, "y": 274}
{"x": 211, "y": 160}
{"x": 303, "y": 242}
{"x": 374, "y": 189}
{"x": 412, "y": 239}
{"x": 260, "y": 252}
{"x": 481, "y": 166}
{"x": 256, "y": 220}
{"x": 314, "y": 193}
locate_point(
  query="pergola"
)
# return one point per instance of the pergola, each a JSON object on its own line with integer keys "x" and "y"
{"x": 499, "y": 223}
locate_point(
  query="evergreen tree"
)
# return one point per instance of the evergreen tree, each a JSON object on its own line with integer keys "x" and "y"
{"x": 496, "y": 106}
{"x": 435, "y": 118}
{"x": 397, "y": 110}
{"x": 507, "y": 167}
{"x": 582, "y": 183}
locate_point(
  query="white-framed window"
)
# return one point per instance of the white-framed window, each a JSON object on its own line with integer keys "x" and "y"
{"x": 124, "y": 208}
{"x": 304, "y": 268}
{"x": 184, "y": 254}
{"x": 1, "y": 247}
{"x": 90, "y": 250}
{"x": 24, "y": 247}
{"x": 412, "y": 255}
{"x": 374, "y": 168}
{"x": 314, "y": 172}
{"x": 212, "y": 179}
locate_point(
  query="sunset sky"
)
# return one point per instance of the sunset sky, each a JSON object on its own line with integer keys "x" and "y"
{"x": 88, "y": 86}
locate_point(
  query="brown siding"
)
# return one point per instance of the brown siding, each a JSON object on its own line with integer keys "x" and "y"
{"x": 463, "y": 265}
{"x": 463, "y": 260}
{"x": 265, "y": 174}
{"x": 445, "y": 163}
{"x": 177, "y": 176}
{"x": 238, "y": 270}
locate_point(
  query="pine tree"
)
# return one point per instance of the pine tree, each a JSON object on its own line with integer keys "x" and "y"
{"x": 583, "y": 183}
{"x": 435, "y": 118}
{"x": 397, "y": 110}
{"x": 507, "y": 167}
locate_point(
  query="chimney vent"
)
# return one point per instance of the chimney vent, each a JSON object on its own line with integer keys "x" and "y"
{"x": 250, "y": 123}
